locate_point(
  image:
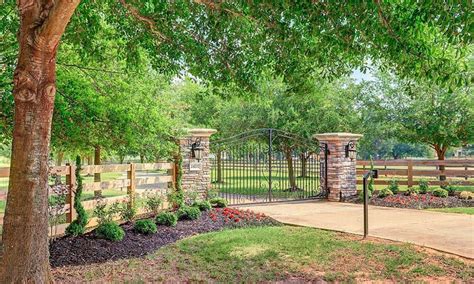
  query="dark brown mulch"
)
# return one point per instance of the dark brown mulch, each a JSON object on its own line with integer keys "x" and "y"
{"x": 88, "y": 248}
{"x": 419, "y": 201}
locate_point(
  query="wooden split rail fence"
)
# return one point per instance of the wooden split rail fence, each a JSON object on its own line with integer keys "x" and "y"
{"x": 410, "y": 171}
{"x": 131, "y": 182}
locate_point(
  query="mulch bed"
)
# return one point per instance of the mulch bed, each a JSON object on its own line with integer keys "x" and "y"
{"x": 420, "y": 201}
{"x": 88, "y": 248}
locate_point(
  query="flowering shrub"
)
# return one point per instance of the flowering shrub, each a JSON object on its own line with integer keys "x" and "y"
{"x": 419, "y": 201}
{"x": 240, "y": 218}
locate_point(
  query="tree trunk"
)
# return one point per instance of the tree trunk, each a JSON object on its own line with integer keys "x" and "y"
{"x": 142, "y": 158}
{"x": 291, "y": 173}
{"x": 25, "y": 231}
{"x": 441, "y": 153}
{"x": 59, "y": 158}
{"x": 304, "y": 162}
{"x": 89, "y": 160}
{"x": 97, "y": 177}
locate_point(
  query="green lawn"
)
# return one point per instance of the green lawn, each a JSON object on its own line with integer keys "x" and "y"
{"x": 460, "y": 210}
{"x": 277, "y": 254}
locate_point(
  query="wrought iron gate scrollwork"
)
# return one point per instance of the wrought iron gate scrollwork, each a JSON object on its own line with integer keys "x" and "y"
{"x": 268, "y": 165}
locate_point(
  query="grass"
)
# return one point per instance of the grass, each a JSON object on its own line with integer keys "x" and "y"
{"x": 459, "y": 210}
{"x": 277, "y": 254}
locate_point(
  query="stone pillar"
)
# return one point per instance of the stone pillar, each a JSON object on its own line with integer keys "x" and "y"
{"x": 196, "y": 174}
{"x": 341, "y": 177}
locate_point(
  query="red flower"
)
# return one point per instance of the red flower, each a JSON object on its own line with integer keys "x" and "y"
{"x": 237, "y": 220}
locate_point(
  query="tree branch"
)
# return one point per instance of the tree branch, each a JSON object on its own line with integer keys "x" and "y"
{"x": 55, "y": 23}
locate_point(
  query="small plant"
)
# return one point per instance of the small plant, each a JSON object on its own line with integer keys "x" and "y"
{"x": 411, "y": 191}
{"x": 167, "y": 219}
{"x": 385, "y": 192}
{"x": 439, "y": 192}
{"x": 218, "y": 202}
{"x": 423, "y": 186}
{"x": 361, "y": 194}
{"x": 451, "y": 189}
{"x": 145, "y": 227}
{"x": 153, "y": 202}
{"x": 188, "y": 213}
{"x": 176, "y": 199}
{"x": 393, "y": 186}
{"x": 203, "y": 205}
{"x": 125, "y": 211}
{"x": 110, "y": 231}
{"x": 104, "y": 214}
{"x": 190, "y": 196}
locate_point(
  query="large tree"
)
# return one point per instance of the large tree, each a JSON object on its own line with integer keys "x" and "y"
{"x": 223, "y": 41}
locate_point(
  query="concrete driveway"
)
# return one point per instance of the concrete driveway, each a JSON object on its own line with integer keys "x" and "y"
{"x": 449, "y": 232}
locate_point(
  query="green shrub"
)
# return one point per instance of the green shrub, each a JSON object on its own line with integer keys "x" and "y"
{"x": 167, "y": 219}
{"x": 218, "y": 202}
{"x": 423, "y": 186}
{"x": 176, "y": 199}
{"x": 202, "y": 205}
{"x": 104, "y": 214}
{"x": 451, "y": 190}
{"x": 153, "y": 203}
{"x": 78, "y": 225}
{"x": 145, "y": 227}
{"x": 411, "y": 191}
{"x": 188, "y": 213}
{"x": 385, "y": 192}
{"x": 126, "y": 212}
{"x": 393, "y": 186}
{"x": 110, "y": 231}
{"x": 439, "y": 192}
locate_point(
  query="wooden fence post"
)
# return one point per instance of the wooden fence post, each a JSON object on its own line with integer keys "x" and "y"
{"x": 410, "y": 172}
{"x": 71, "y": 184}
{"x": 131, "y": 187}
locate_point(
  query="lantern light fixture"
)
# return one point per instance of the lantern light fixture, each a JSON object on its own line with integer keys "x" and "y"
{"x": 351, "y": 150}
{"x": 197, "y": 149}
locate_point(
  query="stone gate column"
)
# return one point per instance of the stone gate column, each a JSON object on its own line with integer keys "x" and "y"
{"x": 196, "y": 171}
{"x": 341, "y": 172}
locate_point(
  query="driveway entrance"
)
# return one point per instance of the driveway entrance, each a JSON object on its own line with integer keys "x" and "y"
{"x": 449, "y": 232}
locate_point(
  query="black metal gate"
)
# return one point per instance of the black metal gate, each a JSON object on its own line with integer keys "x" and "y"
{"x": 267, "y": 165}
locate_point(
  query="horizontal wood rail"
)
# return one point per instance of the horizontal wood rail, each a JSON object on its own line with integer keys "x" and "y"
{"x": 165, "y": 174}
{"x": 410, "y": 171}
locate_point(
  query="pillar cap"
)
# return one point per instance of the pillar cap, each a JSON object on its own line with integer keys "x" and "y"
{"x": 338, "y": 136}
{"x": 200, "y": 132}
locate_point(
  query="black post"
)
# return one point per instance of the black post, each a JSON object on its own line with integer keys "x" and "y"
{"x": 366, "y": 208}
{"x": 374, "y": 174}
{"x": 270, "y": 138}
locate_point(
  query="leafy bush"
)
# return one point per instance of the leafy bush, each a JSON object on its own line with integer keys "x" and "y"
{"x": 104, "y": 214}
{"x": 411, "y": 191}
{"x": 145, "y": 227}
{"x": 125, "y": 211}
{"x": 176, "y": 199}
{"x": 153, "y": 202}
{"x": 423, "y": 186}
{"x": 451, "y": 190}
{"x": 78, "y": 226}
{"x": 218, "y": 202}
{"x": 110, "y": 231}
{"x": 439, "y": 192}
{"x": 188, "y": 213}
{"x": 393, "y": 186}
{"x": 203, "y": 205}
{"x": 167, "y": 219}
{"x": 385, "y": 192}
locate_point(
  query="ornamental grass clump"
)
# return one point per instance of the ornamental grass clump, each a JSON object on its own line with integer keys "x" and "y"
{"x": 203, "y": 205}
{"x": 439, "y": 192}
{"x": 218, "y": 202}
{"x": 169, "y": 219}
